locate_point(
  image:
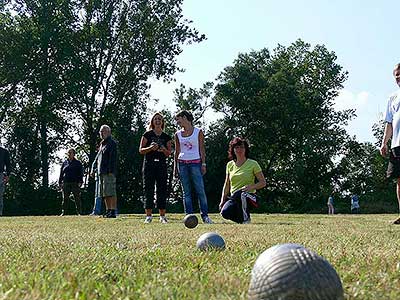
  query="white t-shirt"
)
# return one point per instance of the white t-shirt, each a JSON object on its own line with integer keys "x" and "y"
{"x": 393, "y": 117}
{"x": 189, "y": 145}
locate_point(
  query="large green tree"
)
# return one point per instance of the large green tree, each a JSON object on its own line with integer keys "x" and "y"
{"x": 35, "y": 55}
{"x": 282, "y": 101}
{"x": 78, "y": 64}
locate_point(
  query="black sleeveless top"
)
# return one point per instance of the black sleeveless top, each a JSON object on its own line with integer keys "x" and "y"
{"x": 162, "y": 139}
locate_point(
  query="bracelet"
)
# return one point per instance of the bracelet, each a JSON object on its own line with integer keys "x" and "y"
{"x": 204, "y": 164}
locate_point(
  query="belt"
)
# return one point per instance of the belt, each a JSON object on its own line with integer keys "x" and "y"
{"x": 155, "y": 160}
{"x": 193, "y": 161}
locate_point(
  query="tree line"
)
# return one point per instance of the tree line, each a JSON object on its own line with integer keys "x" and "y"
{"x": 67, "y": 67}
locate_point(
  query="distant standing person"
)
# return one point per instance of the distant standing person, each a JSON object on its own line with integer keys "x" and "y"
{"x": 240, "y": 183}
{"x": 331, "y": 208}
{"x": 107, "y": 168}
{"x": 5, "y": 171}
{"x": 355, "y": 205}
{"x": 70, "y": 182}
{"x": 190, "y": 163}
{"x": 156, "y": 146}
{"x": 392, "y": 131}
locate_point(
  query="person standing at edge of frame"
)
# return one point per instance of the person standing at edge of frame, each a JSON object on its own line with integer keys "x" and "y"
{"x": 107, "y": 168}
{"x": 156, "y": 146}
{"x": 190, "y": 163}
{"x": 5, "y": 171}
{"x": 330, "y": 203}
{"x": 355, "y": 204}
{"x": 70, "y": 182}
{"x": 392, "y": 130}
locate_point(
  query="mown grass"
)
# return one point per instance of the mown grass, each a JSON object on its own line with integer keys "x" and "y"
{"x": 94, "y": 258}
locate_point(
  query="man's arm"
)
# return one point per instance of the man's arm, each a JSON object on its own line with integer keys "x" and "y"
{"x": 112, "y": 162}
{"x": 386, "y": 136}
{"x": 61, "y": 177}
{"x": 93, "y": 168}
{"x": 80, "y": 174}
{"x": 7, "y": 163}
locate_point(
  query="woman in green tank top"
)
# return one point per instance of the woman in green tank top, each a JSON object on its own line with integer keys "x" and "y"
{"x": 243, "y": 177}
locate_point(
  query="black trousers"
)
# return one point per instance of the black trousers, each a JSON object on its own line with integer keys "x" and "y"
{"x": 155, "y": 174}
{"x": 74, "y": 189}
{"x": 233, "y": 209}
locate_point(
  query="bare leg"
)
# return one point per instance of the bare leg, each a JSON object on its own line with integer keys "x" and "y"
{"x": 113, "y": 202}
{"x": 397, "y": 221}
{"x": 148, "y": 212}
{"x": 162, "y": 212}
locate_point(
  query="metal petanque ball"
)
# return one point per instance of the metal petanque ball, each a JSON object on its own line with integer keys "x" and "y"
{"x": 190, "y": 221}
{"x": 210, "y": 241}
{"x": 292, "y": 272}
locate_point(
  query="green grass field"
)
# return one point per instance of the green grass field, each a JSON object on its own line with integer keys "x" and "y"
{"x": 95, "y": 258}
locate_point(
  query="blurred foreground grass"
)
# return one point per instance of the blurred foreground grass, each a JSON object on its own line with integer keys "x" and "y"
{"x": 95, "y": 258}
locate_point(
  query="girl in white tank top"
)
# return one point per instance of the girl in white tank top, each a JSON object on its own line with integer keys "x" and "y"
{"x": 189, "y": 145}
{"x": 189, "y": 163}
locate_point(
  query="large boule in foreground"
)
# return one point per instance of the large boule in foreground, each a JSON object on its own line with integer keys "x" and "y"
{"x": 292, "y": 272}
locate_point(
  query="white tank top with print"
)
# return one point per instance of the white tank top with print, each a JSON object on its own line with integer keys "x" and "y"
{"x": 189, "y": 145}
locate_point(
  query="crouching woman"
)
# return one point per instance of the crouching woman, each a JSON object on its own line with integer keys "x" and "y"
{"x": 243, "y": 178}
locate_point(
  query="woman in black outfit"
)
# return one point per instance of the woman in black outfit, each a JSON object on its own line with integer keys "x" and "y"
{"x": 155, "y": 145}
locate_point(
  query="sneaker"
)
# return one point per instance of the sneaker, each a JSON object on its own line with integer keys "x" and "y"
{"x": 207, "y": 220}
{"x": 248, "y": 221}
{"x": 148, "y": 220}
{"x": 396, "y": 222}
{"x": 163, "y": 220}
{"x": 110, "y": 214}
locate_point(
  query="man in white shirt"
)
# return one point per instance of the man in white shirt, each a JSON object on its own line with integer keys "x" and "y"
{"x": 392, "y": 130}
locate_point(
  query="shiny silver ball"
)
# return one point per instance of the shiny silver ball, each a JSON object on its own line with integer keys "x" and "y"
{"x": 292, "y": 272}
{"x": 190, "y": 221}
{"x": 210, "y": 241}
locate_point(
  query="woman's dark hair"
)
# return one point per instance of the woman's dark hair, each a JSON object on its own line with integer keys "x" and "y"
{"x": 237, "y": 141}
{"x": 187, "y": 114}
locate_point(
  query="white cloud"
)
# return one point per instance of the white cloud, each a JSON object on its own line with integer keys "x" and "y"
{"x": 349, "y": 100}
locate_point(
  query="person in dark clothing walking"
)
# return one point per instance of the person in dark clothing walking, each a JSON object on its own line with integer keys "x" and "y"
{"x": 155, "y": 145}
{"x": 5, "y": 170}
{"x": 70, "y": 182}
{"x": 107, "y": 168}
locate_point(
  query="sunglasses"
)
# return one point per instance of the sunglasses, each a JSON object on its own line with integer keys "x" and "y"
{"x": 239, "y": 146}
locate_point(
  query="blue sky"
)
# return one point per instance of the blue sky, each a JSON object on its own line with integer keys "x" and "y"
{"x": 363, "y": 34}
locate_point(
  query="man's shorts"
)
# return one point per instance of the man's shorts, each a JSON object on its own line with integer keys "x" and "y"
{"x": 393, "y": 170}
{"x": 108, "y": 185}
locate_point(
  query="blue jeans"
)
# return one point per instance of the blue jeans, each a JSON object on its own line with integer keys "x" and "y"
{"x": 98, "y": 199}
{"x": 191, "y": 177}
